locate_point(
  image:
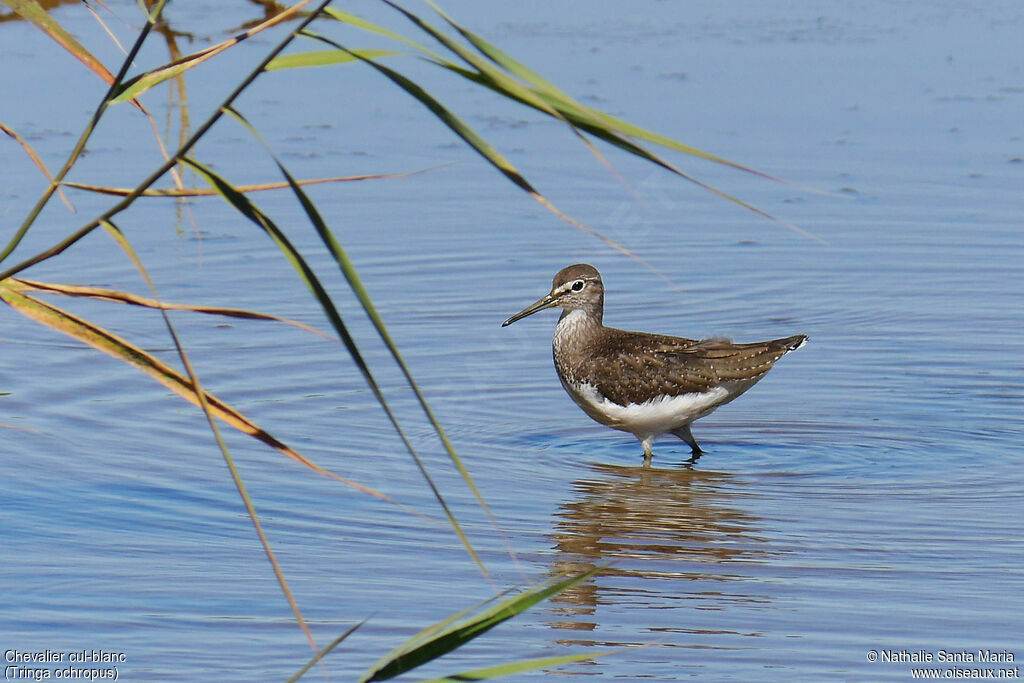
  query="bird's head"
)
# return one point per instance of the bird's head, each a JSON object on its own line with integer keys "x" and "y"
{"x": 574, "y": 288}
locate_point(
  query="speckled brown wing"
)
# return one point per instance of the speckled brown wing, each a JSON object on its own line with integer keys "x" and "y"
{"x": 746, "y": 361}
{"x": 633, "y": 367}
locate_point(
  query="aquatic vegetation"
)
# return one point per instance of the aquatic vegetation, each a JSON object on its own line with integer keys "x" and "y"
{"x": 459, "y": 51}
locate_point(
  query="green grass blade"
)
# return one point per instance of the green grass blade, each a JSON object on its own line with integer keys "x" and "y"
{"x": 324, "y": 652}
{"x": 355, "y": 282}
{"x": 325, "y": 58}
{"x": 499, "y": 80}
{"x": 262, "y": 187}
{"x": 597, "y": 123}
{"x": 563, "y": 102}
{"x": 32, "y": 11}
{"x": 134, "y": 87}
{"x": 569, "y": 112}
{"x": 586, "y": 123}
{"x": 482, "y": 147}
{"x": 66, "y": 323}
{"x": 360, "y": 23}
{"x": 248, "y": 209}
{"x": 152, "y": 16}
{"x": 155, "y": 175}
{"x": 457, "y": 125}
{"x": 116, "y": 296}
{"x": 460, "y": 633}
{"x": 11, "y": 133}
{"x": 119, "y": 237}
{"x": 495, "y": 78}
{"x": 522, "y": 666}
{"x": 554, "y": 102}
{"x": 546, "y": 98}
{"x": 428, "y": 632}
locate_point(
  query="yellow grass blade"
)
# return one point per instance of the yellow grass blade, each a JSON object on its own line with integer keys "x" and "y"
{"x": 102, "y": 340}
{"x": 324, "y": 58}
{"x": 200, "y": 396}
{"x": 324, "y": 652}
{"x": 355, "y": 282}
{"x": 136, "y": 86}
{"x": 35, "y": 160}
{"x": 252, "y": 212}
{"x": 153, "y": 177}
{"x": 73, "y": 156}
{"x": 485, "y": 149}
{"x": 359, "y": 22}
{"x": 580, "y": 117}
{"x": 33, "y": 12}
{"x": 262, "y": 187}
{"x": 135, "y": 300}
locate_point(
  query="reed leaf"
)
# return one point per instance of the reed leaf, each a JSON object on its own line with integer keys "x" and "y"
{"x": 35, "y": 160}
{"x": 103, "y": 24}
{"x": 66, "y": 323}
{"x": 152, "y": 16}
{"x": 556, "y": 97}
{"x": 32, "y": 11}
{"x": 248, "y": 209}
{"x": 324, "y": 652}
{"x": 167, "y": 165}
{"x": 426, "y": 633}
{"x": 134, "y": 87}
{"x": 522, "y": 666}
{"x": 355, "y": 282}
{"x": 601, "y": 130}
{"x": 547, "y": 98}
{"x": 500, "y": 81}
{"x": 418, "y": 651}
{"x": 359, "y": 22}
{"x": 593, "y": 120}
{"x": 135, "y": 300}
{"x": 262, "y": 187}
{"x": 497, "y": 80}
{"x": 200, "y": 398}
{"x": 325, "y": 58}
{"x": 454, "y": 123}
{"x": 491, "y": 154}
{"x": 486, "y": 150}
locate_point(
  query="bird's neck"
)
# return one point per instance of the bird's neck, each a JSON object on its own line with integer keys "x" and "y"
{"x": 576, "y": 328}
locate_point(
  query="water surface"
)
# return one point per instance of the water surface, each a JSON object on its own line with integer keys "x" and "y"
{"x": 865, "y": 496}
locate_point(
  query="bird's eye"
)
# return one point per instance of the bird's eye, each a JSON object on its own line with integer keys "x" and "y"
{"x": 577, "y": 286}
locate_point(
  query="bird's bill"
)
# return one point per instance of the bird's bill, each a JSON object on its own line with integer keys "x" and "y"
{"x": 546, "y": 302}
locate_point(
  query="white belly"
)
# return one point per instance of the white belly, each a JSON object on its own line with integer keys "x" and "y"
{"x": 650, "y": 418}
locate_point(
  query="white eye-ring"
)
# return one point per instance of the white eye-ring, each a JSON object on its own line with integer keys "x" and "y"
{"x": 577, "y": 286}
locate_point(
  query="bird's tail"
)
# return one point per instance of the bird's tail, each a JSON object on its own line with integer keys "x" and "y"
{"x": 791, "y": 343}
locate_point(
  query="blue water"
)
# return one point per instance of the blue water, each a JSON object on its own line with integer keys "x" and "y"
{"x": 865, "y": 496}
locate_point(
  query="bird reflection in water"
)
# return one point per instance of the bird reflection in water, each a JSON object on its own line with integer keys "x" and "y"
{"x": 670, "y": 534}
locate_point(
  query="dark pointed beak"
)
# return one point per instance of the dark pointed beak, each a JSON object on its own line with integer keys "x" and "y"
{"x": 546, "y": 302}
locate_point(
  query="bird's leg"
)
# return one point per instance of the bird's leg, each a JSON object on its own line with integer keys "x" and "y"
{"x": 686, "y": 435}
{"x": 648, "y": 453}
